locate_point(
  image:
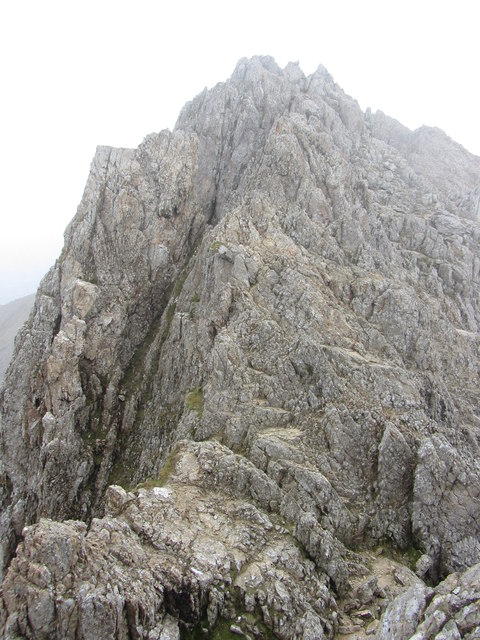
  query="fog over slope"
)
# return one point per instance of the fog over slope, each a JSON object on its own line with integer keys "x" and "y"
{"x": 12, "y": 317}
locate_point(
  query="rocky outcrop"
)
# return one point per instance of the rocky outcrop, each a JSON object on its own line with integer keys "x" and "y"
{"x": 450, "y": 611}
{"x": 162, "y": 554}
{"x": 276, "y": 305}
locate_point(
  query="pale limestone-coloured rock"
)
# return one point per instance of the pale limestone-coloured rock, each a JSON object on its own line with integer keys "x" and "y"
{"x": 394, "y": 485}
{"x": 451, "y": 610}
{"x": 372, "y": 628}
{"x": 177, "y": 551}
{"x": 401, "y": 617}
{"x": 423, "y": 565}
{"x": 448, "y": 522}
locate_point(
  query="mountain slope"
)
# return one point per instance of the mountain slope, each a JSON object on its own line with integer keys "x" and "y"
{"x": 269, "y": 317}
{"x": 12, "y": 317}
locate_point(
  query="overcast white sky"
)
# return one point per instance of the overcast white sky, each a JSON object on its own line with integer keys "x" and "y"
{"x": 76, "y": 74}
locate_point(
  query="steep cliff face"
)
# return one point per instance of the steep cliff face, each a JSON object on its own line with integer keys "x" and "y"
{"x": 270, "y": 318}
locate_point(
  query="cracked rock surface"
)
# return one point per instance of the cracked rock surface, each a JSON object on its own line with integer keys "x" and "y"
{"x": 164, "y": 553}
{"x": 255, "y": 362}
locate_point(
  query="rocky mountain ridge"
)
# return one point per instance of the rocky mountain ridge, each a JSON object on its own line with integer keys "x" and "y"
{"x": 255, "y": 361}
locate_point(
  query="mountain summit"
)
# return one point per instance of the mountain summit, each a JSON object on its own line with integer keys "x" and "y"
{"x": 246, "y": 402}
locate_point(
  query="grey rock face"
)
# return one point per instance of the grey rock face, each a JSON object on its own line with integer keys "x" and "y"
{"x": 450, "y": 611}
{"x": 164, "y": 553}
{"x": 289, "y": 288}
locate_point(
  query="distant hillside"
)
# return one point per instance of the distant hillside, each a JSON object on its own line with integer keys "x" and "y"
{"x": 12, "y": 317}
{"x": 246, "y": 403}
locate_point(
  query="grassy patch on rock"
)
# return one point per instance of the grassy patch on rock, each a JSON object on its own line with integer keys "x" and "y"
{"x": 194, "y": 401}
{"x": 164, "y": 475}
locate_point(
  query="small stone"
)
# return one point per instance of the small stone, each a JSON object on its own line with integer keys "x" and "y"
{"x": 351, "y": 605}
{"x": 236, "y": 630}
{"x": 365, "y": 614}
{"x": 450, "y": 632}
{"x": 350, "y": 629}
{"x": 399, "y": 579}
{"x": 115, "y": 499}
{"x": 366, "y": 591}
{"x": 423, "y": 565}
{"x": 372, "y": 627}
